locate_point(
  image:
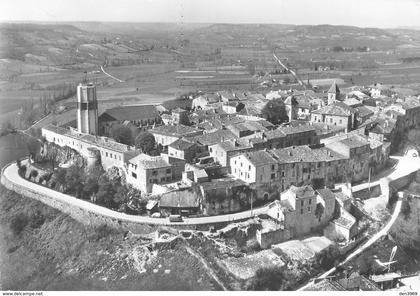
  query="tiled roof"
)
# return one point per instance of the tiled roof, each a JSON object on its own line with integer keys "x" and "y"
{"x": 354, "y": 141}
{"x": 104, "y": 142}
{"x": 214, "y": 137}
{"x": 305, "y": 154}
{"x": 179, "y": 199}
{"x": 303, "y": 191}
{"x": 222, "y": 183}
{"x": 325, "y": 285}
{"x": 149, "y": 162}
{"x": 337, "y": 108}
{"x": 363, "y": 111}
{"x": 229, "y": 146}
{"x": 174, "y": 130}
{"x": 326, "y": 193}
{"x": 181, "y": 144}
{"x": 142, "y": 112}
{"x": 262, "y": 157}
{"x": 290, "y": 130}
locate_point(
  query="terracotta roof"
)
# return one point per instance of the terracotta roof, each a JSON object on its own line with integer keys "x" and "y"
{"x": 337, "y": 108}
{"x": 222, "y": 183}
{"x": 218, "y": 136}
{"x": 181, "y": 144}
{"x": 290, "y": 130}
{"x": 305, "y": 154}
{"x": 229, "y": 146}
{"x": 149, "y": 162}
{"x": 103, "y": 142}
{"x": 179, "y": 199}
{"x": 262, "y": 157}
{"x": 325, "y": 285}
{"x": 174, "y": 130}
{"x": 303, "y": 191}
{"x": 131, "y": 113}
{"x": 326, "y": 193}
{"x": 354, "y": 141}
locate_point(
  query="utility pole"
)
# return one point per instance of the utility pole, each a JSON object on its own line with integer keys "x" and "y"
{"x": 251, "y": 203}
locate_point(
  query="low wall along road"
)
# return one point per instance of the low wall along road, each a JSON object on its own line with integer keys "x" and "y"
{"x": 92, "y": 214}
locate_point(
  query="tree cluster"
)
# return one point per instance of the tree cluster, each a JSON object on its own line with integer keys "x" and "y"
{"x": 275, "y": 111}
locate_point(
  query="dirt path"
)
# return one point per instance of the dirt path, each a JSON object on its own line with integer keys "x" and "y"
{"x": 206, "y": 265}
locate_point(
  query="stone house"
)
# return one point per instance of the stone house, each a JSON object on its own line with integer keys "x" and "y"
{"x": 180, "y": 202}
{"x": 112, "y": 154}
{"x": 222, "y": 196}
{"x": 273, "y": 171}
{"x": 338, "y": 114}
{"x": 183, "y": 149}
{"x": 143, "y": 171}
{"x": 167, "y": 134}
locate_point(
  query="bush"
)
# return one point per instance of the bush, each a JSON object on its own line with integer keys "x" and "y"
{"x": 268, "y": 278}
{"x": 36, "y": 219}
{"x": 22, "y": 171}
{"x": 18, "y": 223}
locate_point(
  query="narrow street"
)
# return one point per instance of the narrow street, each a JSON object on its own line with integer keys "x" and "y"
{"x": 406, "y": 165}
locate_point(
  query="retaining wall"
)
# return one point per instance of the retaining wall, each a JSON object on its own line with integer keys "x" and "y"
{"x": 90, "y": 217}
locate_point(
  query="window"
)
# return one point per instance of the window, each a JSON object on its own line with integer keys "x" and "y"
{"x": 106, "y": 154}
{"x": 272, "y": 167}
{"x": 341, "y": 121}
{"x": 168, "y": 171}
{"x": 309, "y": 177}
{"x": 261, "y": 178}
{"x": 162, "y": 179}
{"x": 249, "y": 167}
{"x": 134, "y": 175}
{"x": 310, "y": 201}
{"x": 241, "y": 164}
{"x": 273, "y": 176}
{"x": 301, "y": 211}
{"x": 282, "y": 173}
{"x": 211, "y": 150}
{"x": 301, "y": 203}
{"x": 309, "y": 209}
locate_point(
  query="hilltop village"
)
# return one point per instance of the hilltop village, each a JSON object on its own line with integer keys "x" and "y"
{"x": 299, "y": 152}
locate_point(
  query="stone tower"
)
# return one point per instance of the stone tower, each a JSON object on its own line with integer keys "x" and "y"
{"x": 87, "y": 109}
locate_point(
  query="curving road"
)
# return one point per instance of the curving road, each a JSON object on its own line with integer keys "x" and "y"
{"x": 10, "y": 172}
{"x": 109, "y": 75}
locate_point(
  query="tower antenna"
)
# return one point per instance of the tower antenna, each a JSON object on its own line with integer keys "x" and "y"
{"x": 85, "y": 78}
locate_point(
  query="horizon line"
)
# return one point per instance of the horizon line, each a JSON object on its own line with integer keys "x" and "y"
{"x": 206, "y": 23}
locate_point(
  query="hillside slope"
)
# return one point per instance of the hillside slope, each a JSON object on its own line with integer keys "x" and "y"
{"x": 51, "y": 251}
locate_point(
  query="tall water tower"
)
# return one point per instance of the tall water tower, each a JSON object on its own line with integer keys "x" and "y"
{"x": 87, "y": 109}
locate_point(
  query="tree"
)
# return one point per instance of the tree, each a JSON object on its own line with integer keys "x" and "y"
{"x": 33, "y": 147}
{"x": 122, "y": 134}
{"x": 18, "y": 223}
{"x": 275, "y": 111}
{"x": 74, "y": 181}
{"x": 121, "y": 195}
{"x": 105, "y": 194}
{"x": 145, "y": 142}
{"x": 33, "y": 175}
{"x": 268, "y": 278}
{"x": 91, "y": 185}
{"x": 60, "y": 179}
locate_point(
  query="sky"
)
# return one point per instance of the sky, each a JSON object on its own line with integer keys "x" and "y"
{"x": 362, "y": 13}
